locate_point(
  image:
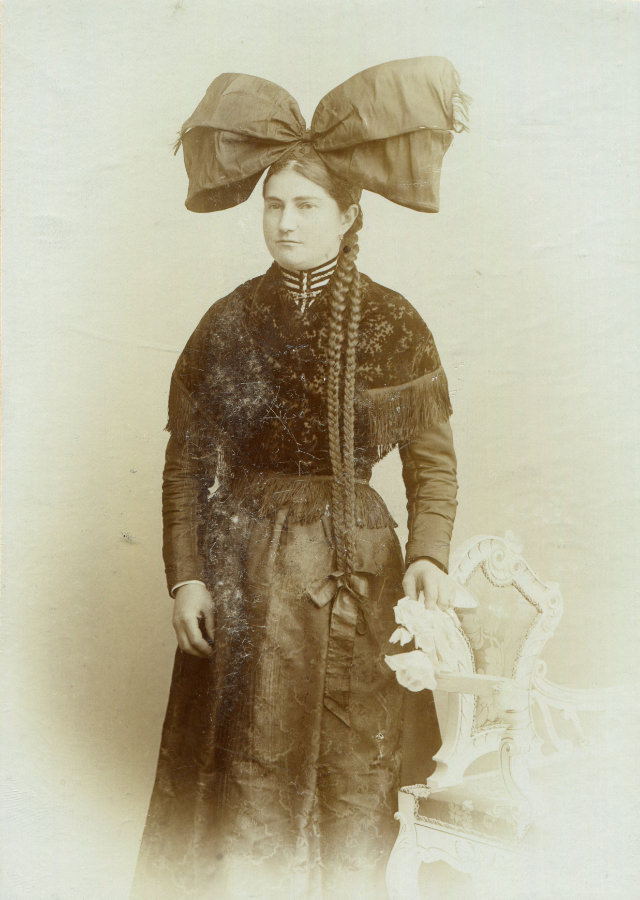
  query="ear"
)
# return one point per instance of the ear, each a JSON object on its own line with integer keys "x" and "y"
{"x": 349, "y": 216}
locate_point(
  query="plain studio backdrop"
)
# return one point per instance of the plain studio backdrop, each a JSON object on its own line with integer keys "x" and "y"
{"x": 525, "y": 277}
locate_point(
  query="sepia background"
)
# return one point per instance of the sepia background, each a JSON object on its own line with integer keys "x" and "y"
{"x": 526, "y": 277}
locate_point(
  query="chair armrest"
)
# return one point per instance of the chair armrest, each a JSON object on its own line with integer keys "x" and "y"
{"x": 506, "y": 689}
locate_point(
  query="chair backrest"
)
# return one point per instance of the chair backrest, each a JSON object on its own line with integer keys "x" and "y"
{"x": 517, "y": 613}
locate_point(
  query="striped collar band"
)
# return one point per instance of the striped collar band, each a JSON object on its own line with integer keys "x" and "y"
{"x": 305, "y": 286}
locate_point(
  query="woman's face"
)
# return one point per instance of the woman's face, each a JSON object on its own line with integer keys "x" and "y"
{"x": 302, "y": 224}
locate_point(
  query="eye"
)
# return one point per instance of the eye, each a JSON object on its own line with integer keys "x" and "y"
{"x": 272, "y": 204}
{"x": 306, "y": 205}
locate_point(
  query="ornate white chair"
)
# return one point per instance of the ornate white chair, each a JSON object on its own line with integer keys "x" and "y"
{"x": 469, "y": 814}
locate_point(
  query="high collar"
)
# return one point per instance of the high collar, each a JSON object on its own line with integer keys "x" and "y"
{"x": 305, "y": 286}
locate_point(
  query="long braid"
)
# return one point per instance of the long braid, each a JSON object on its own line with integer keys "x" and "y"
{"x": 343, "y": 331}
{"x": 348, "y": 419}
{"x": 334, "y": 358}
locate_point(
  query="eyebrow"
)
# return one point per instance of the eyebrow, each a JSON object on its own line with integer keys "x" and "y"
{"x": 295, "y": 199}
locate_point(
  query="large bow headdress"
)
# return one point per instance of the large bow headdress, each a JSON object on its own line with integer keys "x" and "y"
{"x": 385, "y": 130}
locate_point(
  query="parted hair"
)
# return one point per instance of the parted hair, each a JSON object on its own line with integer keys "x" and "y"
{"x": 344, "y": 323}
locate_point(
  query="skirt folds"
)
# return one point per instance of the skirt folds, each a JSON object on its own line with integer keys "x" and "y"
{"x": 281, "y": 756}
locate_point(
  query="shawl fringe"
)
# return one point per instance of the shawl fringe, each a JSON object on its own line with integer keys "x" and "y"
{"x": 307, "y": 497}
{"x": 400, "y": 412}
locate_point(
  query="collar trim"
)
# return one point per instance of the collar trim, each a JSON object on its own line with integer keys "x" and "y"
{"x": 305, "y": 286}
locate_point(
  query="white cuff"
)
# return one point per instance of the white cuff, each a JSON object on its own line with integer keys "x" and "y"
{"x": 180, "y": 583}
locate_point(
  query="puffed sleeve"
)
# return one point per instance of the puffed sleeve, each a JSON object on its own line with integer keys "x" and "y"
{"x": 429, "y": 474}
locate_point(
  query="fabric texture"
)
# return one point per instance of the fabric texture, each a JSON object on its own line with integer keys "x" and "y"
{"x": 385, "y": 129}
{"x": 281, "y": 756}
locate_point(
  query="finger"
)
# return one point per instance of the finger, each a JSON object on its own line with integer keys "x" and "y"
{"x": 184, "y": 642}
{"x": 409, "y": 587}
{"x": 440, "y": 593}
{"x": 186, "y": 647}
{"x": 449, "y": 592}
{"x": 181, "y": 638}
{"x": 197, "y": 643}
{"x": 430, "y": 592}
{"x": 440, "y": 598}
{"x": 208, "y": 624}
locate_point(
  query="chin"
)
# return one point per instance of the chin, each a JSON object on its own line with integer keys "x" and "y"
{"x": 290, "y": 259}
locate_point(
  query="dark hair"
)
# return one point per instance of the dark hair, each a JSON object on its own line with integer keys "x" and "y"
{"x": 344, "y": 322}
{"x": 304, "y": 160}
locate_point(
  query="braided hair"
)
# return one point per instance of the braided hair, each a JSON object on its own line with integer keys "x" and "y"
{"x": 344, "y": 323}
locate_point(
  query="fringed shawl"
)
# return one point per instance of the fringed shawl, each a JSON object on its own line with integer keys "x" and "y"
{"x": 249, "y": 387}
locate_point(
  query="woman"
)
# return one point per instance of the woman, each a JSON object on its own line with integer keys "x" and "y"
{"x": 282, "y": 744}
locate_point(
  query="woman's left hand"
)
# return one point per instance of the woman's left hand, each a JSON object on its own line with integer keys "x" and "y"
{"x": 436, "y": 586}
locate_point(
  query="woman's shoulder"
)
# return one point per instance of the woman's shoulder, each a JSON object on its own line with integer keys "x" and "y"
{"x": 379, "y": 297}
{"x": 380, "y": 302}
{"x": 375, "y": 290}
{"x": 219, "y": 334}
{"x": 227, "y": 309}
{"x": 395, "y": 342}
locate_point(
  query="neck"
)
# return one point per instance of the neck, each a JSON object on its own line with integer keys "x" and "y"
{"x": 305, "y": 285}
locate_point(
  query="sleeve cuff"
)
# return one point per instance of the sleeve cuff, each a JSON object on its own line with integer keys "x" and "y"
{"x": 436, "y": 562}
{"x": 181, "y": 583}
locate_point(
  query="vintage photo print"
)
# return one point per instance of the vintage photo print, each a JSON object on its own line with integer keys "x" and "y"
{"x": 320, "y": 476}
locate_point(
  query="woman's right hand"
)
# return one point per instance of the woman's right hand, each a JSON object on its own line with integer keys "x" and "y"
{"x": 194, "y": 605}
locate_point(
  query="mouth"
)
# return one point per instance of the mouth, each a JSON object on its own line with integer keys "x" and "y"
{"x": 288, "y": 242}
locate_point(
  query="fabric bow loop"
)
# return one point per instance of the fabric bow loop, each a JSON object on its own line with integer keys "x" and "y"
{"x": 385, "y": 129}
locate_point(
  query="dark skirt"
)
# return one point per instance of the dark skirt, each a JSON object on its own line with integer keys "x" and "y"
{"x": 281, "y": 756}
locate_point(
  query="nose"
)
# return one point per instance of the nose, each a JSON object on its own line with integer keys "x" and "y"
{"x": 287, "y": 219}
